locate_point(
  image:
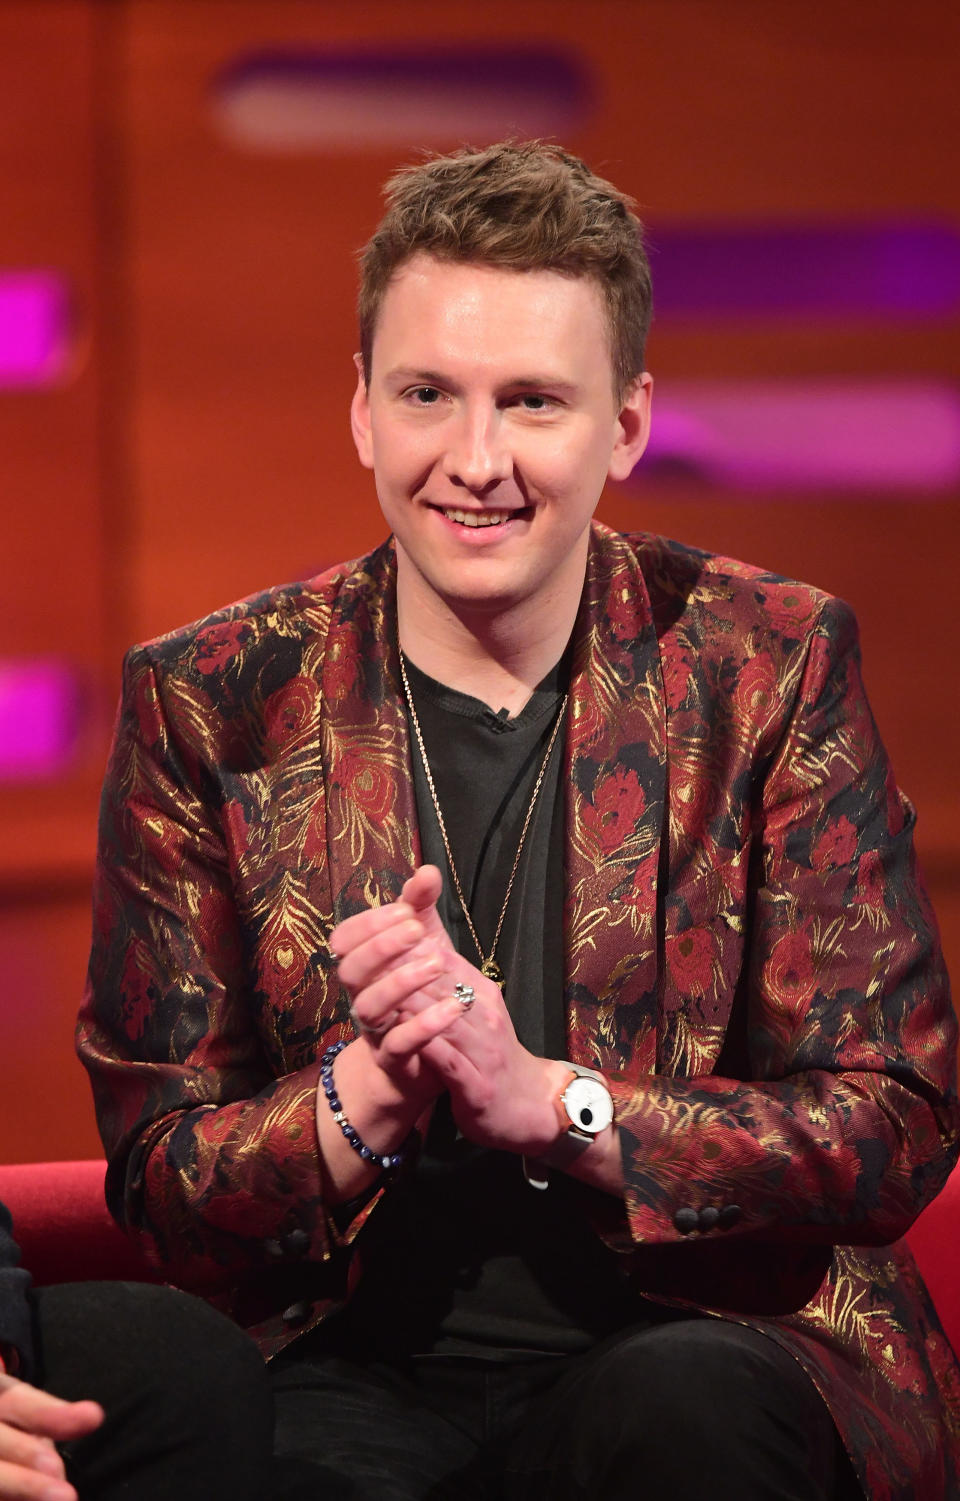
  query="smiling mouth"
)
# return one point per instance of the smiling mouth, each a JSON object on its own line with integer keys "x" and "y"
{"x": 477, "y": 518}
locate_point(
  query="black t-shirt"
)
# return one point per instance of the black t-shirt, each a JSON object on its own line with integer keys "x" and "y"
{"x": 463, "y": 1256}
{"x": 485, "y": 767}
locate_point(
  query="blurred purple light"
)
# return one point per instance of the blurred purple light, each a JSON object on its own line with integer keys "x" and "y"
{"x": 900, "y": 270}
{"x": 34, "y": 328}
{"x": 874, "y": 437}
{"x": 39, "y": 718}
{"x": 350, "y": 99}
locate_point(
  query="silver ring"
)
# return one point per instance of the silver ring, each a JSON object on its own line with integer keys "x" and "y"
{"x": 465, "y": 994}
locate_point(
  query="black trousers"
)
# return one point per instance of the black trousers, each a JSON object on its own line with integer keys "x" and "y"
{"x": 189, "y": 1413}
{"x": 682, "y": 1411}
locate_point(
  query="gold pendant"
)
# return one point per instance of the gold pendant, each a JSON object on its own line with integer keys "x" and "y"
{"x": 492, "y": 970}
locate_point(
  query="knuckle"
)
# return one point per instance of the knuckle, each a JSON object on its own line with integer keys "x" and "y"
{"x": 484, "y": 1092}
{"x": 347, "y": 972}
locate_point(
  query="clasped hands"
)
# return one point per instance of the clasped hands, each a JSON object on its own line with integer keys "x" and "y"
{"x": 400, "y": 967}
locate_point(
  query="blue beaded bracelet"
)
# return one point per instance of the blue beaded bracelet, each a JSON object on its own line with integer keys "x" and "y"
{"x": 386, "y": 1160}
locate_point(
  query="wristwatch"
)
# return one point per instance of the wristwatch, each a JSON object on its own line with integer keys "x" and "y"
{"x": 584, "y": 1104}
{"x": 584, "y": 1108}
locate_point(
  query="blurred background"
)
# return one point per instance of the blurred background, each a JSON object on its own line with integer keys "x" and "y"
{"x": 183, "y": 187}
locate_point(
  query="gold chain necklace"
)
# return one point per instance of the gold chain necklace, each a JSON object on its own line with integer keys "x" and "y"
{"x": 488, "y": 964}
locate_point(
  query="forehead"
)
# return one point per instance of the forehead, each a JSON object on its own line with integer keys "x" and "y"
{"x": 480, "y": 313}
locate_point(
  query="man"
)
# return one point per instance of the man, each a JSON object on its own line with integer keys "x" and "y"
{"x": 606, "y": 1230}
{"x": 182, "y": 1408}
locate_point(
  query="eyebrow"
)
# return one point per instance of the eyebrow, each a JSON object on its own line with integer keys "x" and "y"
{"x": 516, "y": 382}
{"x": 421, "y": 377}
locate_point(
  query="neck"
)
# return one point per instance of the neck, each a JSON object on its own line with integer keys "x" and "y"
{"x": 498, "y": 656}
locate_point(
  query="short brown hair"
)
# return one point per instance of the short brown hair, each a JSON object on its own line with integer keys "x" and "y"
{"x": 526, "y": 206}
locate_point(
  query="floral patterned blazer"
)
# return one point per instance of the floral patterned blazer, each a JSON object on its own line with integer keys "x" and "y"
{"x": 750, "y": 960}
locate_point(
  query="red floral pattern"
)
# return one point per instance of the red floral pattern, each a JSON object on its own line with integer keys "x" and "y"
{"x": 690, "y": 960}
{"x": 619, "y": 802}
{"x": 218, "y": 645}
{"x": 755, "y": 694}
{"x": 789, "y": 974}
{"x": 836, "y": 846}
{"x": 366, "y": 783}
{"x": 291, "y": 711}
{"x": 677, "y": 678}
{"x": 871, "y": 886}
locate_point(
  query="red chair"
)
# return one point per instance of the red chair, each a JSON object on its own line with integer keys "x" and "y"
{"x": 62, "y": 1226}
{"x": 66, "y": 1234}
{"x": 933, "y": 1239}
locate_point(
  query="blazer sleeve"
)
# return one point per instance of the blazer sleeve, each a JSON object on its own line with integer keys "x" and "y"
{"x": 844, "y": 1122}
{"x": 212, "y": 1159}
{"x": 15, "y": 1321}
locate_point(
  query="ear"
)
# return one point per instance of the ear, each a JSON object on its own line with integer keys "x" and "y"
{"x": 360, "y": 417}
{"x": 633, "y": 427}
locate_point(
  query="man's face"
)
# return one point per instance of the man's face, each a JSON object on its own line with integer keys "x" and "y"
{"x": 491, "y": 424}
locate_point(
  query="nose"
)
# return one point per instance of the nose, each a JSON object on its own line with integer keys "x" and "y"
{"x": 477, "y": 455}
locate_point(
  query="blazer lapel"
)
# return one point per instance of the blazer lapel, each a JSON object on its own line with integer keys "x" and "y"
{"x": 371, "y": 823}
{"x": 615, "y": 818}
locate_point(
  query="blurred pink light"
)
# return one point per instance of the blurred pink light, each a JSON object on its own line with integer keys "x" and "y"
{"x": 39, "y": 718}
{"x": 34, "y": 328}
{"x": 816, "y": 434}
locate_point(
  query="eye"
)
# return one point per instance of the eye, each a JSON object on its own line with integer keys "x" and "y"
{"x": 423, "y": 396}
{"x": 533, "y": 401}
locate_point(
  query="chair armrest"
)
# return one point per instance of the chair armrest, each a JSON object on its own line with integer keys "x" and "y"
{"x": 933, "y": 1239}
{"x": 62, "y": 1226}
{"x": 66, "y": 1234}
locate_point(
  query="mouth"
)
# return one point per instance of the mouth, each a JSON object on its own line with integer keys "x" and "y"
{"x": 479, "y": 520}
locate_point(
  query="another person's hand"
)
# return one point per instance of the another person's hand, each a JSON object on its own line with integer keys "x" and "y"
{"x": 31, "y": 1421}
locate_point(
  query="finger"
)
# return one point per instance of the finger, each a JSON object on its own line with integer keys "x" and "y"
{"x": 363, "y": 925}
{"x": 423, "y": 891}
{"x": 19, "y": 1484}
{"x": 29, "y": 1451}
{"x": 30, "y": 1466}
{"x": 381, "y": 950}
{"x": 22, "y": 1483}
{"x": 411, "y": 987}
{"x": 34, "y": 1411}
{"x": 414, "y": 1035}
{"x": 423, "y": 888}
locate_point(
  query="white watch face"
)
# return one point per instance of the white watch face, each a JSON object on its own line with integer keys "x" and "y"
{"x": 589, "y": 1106}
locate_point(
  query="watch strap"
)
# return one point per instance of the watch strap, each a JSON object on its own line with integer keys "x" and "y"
{"x": 583, "y": 1072}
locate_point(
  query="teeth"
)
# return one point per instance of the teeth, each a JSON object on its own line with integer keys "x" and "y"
{"x": 477, "y": 518}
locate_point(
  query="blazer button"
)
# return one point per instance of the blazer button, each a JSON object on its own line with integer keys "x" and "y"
{"x": 730, "y": 1215}
{"x": 296, "y": 1242}
{"x": 297, "y": 1313}
{"x": 708, "y": 1217}
{"x": 686, "y": 1221}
